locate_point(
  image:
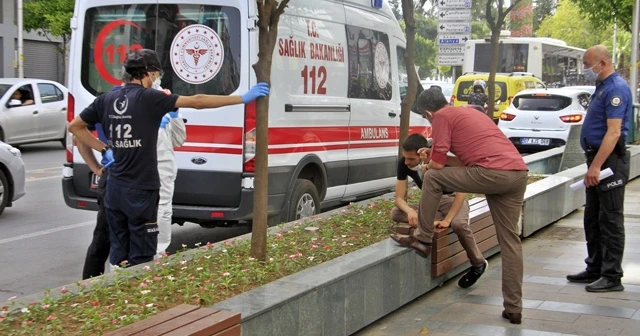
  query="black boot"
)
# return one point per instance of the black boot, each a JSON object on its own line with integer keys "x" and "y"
{"x": 583, "y": 277}
{"x": 605, "y": 285}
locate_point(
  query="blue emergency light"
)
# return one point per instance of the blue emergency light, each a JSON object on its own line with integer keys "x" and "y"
{"x": 377, "y": 3}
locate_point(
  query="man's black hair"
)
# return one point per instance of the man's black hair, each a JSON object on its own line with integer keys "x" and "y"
{"x": 414, "y": 142}
{"x": 431, "y": 99}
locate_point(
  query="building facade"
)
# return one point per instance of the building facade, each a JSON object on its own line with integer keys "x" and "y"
{"x": 41, "y": 56}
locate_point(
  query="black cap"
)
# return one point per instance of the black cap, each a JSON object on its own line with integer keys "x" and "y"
{"x": 143, "y": 59}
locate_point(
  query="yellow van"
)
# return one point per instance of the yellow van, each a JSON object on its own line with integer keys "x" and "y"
{"x": 506, "y": 86}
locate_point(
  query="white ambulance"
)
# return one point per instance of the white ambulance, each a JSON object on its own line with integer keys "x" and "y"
{"x": 337, "y": 79}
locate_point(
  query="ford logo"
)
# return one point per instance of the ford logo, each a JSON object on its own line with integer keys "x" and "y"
{"x": 199, "y": 160}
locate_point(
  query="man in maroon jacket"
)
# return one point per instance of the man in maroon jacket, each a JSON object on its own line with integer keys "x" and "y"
{"x": 485, "y": 162}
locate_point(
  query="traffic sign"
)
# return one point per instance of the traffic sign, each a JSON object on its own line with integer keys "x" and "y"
{"x": 455, "y": 15}
{"x": 454, "y": 4}
{"x": 449, "y": 39}
{"x": 450, "y": 59}
{"x": 454, "y": 27}
{"x": 450, "y": 49}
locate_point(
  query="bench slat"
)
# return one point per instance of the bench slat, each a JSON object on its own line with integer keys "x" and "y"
{"x": 234, "y": 331}
{"x": 210, "y": 325}
{"x": 453, "y": 262}
{"x": 154, "y": 320}
{"x": 178, "y": 322}
{"x": 452, "y": 249}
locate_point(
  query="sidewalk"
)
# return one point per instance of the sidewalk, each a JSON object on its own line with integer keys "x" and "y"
{"x": 552, "y": 306}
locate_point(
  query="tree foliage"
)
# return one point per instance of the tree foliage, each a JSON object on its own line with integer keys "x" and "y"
{"x": 570, "y": 25}
{"x": 49, "y": 17}
{"x": 542, "y": 9}
{"x": 603, "y": 13}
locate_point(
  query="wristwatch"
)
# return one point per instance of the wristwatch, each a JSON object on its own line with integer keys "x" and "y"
{"x": 104, "y": 150}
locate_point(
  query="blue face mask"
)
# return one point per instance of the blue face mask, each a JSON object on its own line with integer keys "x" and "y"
{"x": 590, "y": 75}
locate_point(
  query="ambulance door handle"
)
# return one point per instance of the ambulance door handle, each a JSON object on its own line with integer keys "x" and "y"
{"x": 392, "y": 114}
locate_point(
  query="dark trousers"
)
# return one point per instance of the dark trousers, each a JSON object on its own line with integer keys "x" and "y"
{"x": 98, "y": 251}
{"x": 133, "y": 228}
{"x": 604, "y": 219}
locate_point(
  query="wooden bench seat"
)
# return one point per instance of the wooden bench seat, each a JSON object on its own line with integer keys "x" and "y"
{"x": 185, "y": 320}
{"x": 447, "y": 252}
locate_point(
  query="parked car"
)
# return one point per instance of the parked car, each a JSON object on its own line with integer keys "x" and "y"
{"x": 539, "y": 119}
{"x": 33, "y": 110}
{"x": 447, "y": 88}
{"x": 12, "y": 175}
{"x": 590, "y": 88}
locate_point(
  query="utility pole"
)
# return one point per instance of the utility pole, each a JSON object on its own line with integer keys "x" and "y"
{"x": 615, "y": 42}
{"x": 20, "y": 41}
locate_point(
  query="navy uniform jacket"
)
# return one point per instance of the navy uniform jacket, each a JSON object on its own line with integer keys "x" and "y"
{"x": 611, "y": 100}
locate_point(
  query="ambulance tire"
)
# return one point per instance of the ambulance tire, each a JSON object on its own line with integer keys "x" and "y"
{"x": 304, "y": 201}
{"x": 4, "y": 196}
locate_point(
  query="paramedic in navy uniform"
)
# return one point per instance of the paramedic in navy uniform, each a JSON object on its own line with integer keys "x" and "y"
{"x": 131, "y": 118}
{"x": 603, "y": 139}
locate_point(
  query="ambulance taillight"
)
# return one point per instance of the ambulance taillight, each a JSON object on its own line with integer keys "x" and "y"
{"x": 249, "y": 149}
{"x": 71, "y": 109}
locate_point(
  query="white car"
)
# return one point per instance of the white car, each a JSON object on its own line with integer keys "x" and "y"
{"x": 539, "y": 119}
{"x": 12, "y": 176}
{"x": 32, "y": 110}
{"x": 590, "y": 88}
{"x": 447, "y": 88}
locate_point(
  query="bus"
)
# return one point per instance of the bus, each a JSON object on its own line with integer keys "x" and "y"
{"x": 551, "y": 60}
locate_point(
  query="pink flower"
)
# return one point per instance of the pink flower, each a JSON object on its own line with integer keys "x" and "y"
{"x": 226, "y": 274}
{"x": 207, "y": 281}
{"x": 313, "y": 247}
{"x": 147, "y": 268}
{"x": 95, "y": 303}
{"x": 32, "y": 304}
{"x": 327, "y": 247}
{"x": 64, "y": 290}
{"x": 114, "y": 321}
{"x": 1, "y": 319}
{"x": 29, "y": 323}
{"x": 51, "y": 317}
{"x": 226, "y": 243}
{"x": 157, "y": 278}
{"x": 142, "y": 284}
{"x": 45, "y": 306}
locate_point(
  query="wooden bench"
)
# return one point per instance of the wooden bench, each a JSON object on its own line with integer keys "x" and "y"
{"x": 185, "y": 320}
{"x": 447, "y": 252}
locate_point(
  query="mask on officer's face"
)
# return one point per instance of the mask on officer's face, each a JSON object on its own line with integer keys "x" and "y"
{"x": 156, "y": 84}
{"x": 590, "y": 75}
{"x": 417, "y": 167}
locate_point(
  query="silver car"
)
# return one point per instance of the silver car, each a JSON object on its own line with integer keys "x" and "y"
{"x": 32, "y": 110}
{"x": 12, "y": 176}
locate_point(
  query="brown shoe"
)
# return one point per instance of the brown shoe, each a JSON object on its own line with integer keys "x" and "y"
{"x": 423, "y": 249}
{"x": 514, "y": 318}
{"x": 404, "y": 229}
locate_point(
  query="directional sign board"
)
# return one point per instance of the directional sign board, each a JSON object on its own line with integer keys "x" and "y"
{"x": 452, "y": 49}
{"x": 454, "y": 27}
{"x": 450, "y": 59}
{"x": 454, "y": 15}
{"x": 452, "y": 39}
{"x": 454, "y": 4}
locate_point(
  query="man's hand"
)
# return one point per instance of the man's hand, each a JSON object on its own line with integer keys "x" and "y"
{"x": 164, "y": 122}
{"x": 257, "y": 91}
{"x": 98, "y": 172}
{"x": 413, "y": 218}
{"x": 109, "y": 156}
{"x": 425, "y": 154}
{"x": 593, "y": 176}
{"x": 441, "y": 224}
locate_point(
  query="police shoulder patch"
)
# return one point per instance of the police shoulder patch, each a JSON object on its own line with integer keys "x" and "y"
{"x": 615, "y": 101}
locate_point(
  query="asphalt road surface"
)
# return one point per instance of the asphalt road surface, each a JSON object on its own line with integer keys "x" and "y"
{"x": 43, "y": 242}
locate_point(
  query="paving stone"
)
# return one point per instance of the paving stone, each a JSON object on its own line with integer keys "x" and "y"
{"x": 587, "y": 309}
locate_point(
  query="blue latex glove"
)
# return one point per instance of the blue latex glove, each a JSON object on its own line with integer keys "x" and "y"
{"x": 257, "y": 91}
{"x": 165, "y": 121}
{"x": 109, "y": 156}
{"x": 174, "y": 114}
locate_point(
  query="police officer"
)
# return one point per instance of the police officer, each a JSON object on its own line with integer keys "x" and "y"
{"x": 131, "y": 118}
{"x": 603, "y": 139}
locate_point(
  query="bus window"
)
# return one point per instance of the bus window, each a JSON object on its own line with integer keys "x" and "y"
{"x": 513, "y": 58}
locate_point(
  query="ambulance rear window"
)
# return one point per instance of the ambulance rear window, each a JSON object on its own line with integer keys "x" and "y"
{"x": 199, "y": 46}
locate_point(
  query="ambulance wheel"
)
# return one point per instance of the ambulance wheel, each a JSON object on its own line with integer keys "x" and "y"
{"x": 304, "y": 201}
{"x": 4, "y": 192}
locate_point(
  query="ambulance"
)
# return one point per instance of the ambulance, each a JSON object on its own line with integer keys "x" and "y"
{"x": 338, "y": 77}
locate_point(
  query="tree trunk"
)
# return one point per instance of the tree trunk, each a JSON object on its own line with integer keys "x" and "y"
{"x": 269, "y": 12}
{"x": 412, "y": 76}
{"x": 495, "y": 60}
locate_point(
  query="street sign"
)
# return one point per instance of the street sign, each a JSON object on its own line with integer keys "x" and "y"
{"x": 454, "y": 27}
{"x": 449, "y": 39}
{"x": 450, "y": 59}
{"x": 455, "y": 15}
{"x": 452, "y": 49}
{"x": 454, "y": 4}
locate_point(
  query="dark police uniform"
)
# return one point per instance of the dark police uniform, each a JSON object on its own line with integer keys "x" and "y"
{"x": 131, "y": 118}
{"x": 603, "y": 217}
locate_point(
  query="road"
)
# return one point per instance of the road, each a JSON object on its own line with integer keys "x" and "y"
{"x": 43, "y": 242}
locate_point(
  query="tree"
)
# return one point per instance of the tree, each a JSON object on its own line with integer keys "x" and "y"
{"x": 570, "y": 25}
{"x": 623, "y": 50}
{"x": 408, "y": 7}
{"x": 495, "y": 21}
{"x": 269, "y": 12}
{"x": 542, "y": 9}
{"x": 50, "y": 18}
{"x": 603, "y": 13}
